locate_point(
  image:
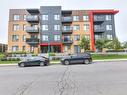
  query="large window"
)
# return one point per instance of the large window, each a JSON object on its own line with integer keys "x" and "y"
{"x": 44, "y": 17}
{"x": 76, "y": 37}
{"x": 24, "y": 17}
{"x": 76, "y": 27}
{"x": 86, "y": 18}
{"x": 67, "y": 28}
{"x": 15, "y": 48}
{"x": 56, "y": 17}
{"x": 108, "y": 17}
{"x": 16, "y": 27}
{"x": 45, "y": 37}
{"x": 44, "y": 27}
{"x": 24, "y": 38}
{"x": 15, "y": 38}
{"x": 75, "y": 18}
{"x": 77, "y": 49}
{"x": 24, "y": 27}
{"x": 86, "y": 27}
{"x": 23, "y": 48}
{"x": 56, "y": 27}
{"x": 108, "y": 27}
{"x": 16, "y": 17}
{"x": 56, "y": 37}
{"x": 109, "y": 37}
{"x": 87, "y": 37}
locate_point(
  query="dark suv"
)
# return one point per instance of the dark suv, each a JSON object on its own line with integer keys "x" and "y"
{"x": 77, "y": 58}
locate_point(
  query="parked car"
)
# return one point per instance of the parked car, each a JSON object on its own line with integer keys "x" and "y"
{"x": 77, "y": 58}
{"x": 34, "y": 61}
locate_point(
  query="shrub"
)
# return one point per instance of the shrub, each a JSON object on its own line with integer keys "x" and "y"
{"x": 51, "y": 54}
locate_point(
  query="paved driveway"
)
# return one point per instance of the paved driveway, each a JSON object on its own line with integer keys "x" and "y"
{"x": 100, "y": 78}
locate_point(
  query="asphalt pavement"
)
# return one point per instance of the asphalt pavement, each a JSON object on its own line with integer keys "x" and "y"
{"x": 99, "y": 78}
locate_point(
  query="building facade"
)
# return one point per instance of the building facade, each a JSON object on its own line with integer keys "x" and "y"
{"x": 3, "y": 48}
{"x": 51, "y": 29}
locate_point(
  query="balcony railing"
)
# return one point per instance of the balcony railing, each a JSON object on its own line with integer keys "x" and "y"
{"x": 67, "y": 19}
{"x": 99, "y": 29}
{"x": 99, "y": 18}
{"x": 32, "y": 18}
{"x": 32, "y": 40}
{"x": 67, "y": 30}
{"x": 32, "y": 29}
{"x": 67, "y": 41}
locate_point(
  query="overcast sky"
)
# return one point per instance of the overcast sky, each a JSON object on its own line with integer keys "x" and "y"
{"x": 120, "y": 18}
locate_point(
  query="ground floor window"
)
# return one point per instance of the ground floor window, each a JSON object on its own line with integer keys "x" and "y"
{"x": 54, "y": 49}
{"x": 77, "y": 49}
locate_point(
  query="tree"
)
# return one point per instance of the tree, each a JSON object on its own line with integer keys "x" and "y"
{"x": 125, "y": 45}
{"x": 84, "y": 43}
{"x": 101, "y": 43}
{"x": 114, "y": 44}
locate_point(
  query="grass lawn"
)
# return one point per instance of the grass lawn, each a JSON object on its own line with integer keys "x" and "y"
{"x": 9, "y": 62}
{"x": 108, "y": 56}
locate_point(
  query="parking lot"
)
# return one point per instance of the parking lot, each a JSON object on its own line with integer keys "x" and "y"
{"x": 99, "y": 78}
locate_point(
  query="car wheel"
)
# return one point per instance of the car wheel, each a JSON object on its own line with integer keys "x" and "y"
{"x": 66, "y": 62}
{"x": 86, "y": 61}
{"x": 22, "y": 65}
{"x": 42, "y": 64}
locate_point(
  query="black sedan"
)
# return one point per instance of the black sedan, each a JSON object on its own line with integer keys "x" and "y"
{"x": 34, "y": 61}
{"x": 77, "y": 58}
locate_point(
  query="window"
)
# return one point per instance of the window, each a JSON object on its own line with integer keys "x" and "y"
{"x": 67, "y": 28}
{"x": 16, "y": 27}
{"x": 108, "y": 17}
{"x": 56, "y": 27}
{"x": 87, "y": 37}
{"x": 86, "y": 18}
{"x": 67, "y": 48}
{"x": 56, "y": 37}
{"x": 76, "y": 27}
{"x": 77, "y": 49}
{"x": 15, "y": 38}
{"x": 16, "y": 17}
{"x": 76, "y": 37}
{"x": 109, "y": 36}
{"x": 108, "y": 27}
{"x": 75, "y": 18}
{"x": 24, "y": 17}
{"x": 45, "y": 37}
{"x": 56, "y": 17}
{"x": 44, "y": 17}
{"x": 24, "y": 27}
{"x": 24, "y": 38}
{"x": 15, "y": 48}
{"x": 44, "y": 27}
{"x": 23, "y": 48}
{"x": 67, "y": 38}
{"x": 97, "y": 36}
{"x": 86, "y": 27}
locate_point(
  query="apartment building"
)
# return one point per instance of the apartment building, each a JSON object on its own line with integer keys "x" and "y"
{"x": 51, "y": 29}
{"x": 3, "y": 48}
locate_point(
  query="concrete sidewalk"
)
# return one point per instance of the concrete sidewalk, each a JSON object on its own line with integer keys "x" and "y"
{"x": 106, "y": 60}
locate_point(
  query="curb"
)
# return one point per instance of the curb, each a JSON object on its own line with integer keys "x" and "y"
{"x": 55, "y": 63}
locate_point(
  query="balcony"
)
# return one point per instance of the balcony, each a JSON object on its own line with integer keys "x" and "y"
{"x": 99, "y": 18}
{"x": 32, "y": 29}
{"x": 32, "y": 40}
{"x": 67, "y": 19}
{"x": 32, "y": 18}
{"x": 67, "y": 30}
{"x": 67, "y": 41}
{"x": 99, "y": 30}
